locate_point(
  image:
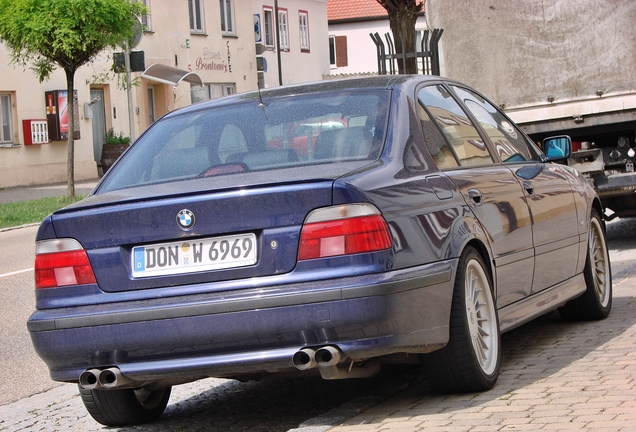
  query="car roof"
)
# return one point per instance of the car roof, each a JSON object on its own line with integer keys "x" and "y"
{"x": 377, "y": 82}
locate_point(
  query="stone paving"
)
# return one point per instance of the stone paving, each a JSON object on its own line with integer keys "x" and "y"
{"x": 556, "y": 376}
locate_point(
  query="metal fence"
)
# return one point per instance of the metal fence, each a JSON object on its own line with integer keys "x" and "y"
{"x": 427, "y": 58}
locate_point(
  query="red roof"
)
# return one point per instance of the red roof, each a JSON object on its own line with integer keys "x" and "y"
{"x": 344, "y": 10}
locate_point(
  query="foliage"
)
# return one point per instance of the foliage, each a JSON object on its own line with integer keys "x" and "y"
{"x": 114, "y": 138}
{"x": 402, "y": 19}
{"x": 65, "y": 33}
{"x": 45, "y": 34}
{"x": 26, "y": 212}
{"x": 112, "y": 75}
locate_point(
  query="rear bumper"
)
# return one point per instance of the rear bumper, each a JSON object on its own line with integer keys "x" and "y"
{"x": 252, "y": 330}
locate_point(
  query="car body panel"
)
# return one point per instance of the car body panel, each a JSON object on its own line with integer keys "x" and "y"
{"x": 530, "y": 226}
{"x": 501, "y": 207}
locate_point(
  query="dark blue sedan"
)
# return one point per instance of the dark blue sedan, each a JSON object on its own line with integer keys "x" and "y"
{"x": 326, "y": 229}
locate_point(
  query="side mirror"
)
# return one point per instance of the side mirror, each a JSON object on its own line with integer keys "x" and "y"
{"x": 557, "y": 148}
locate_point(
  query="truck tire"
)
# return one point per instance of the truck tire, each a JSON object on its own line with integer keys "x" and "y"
{"x": 471, "y": 360}
{"x": 596, "y": 302}
{"x": 126, "y": 406}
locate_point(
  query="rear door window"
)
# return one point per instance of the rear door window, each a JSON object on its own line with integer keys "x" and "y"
{"x": 463, "y": 141}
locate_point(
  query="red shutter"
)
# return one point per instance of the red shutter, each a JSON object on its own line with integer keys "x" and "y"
{"x": 341, "y": 51}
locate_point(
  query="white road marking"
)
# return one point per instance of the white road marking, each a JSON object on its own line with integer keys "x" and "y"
{"x": 16, "y": 272}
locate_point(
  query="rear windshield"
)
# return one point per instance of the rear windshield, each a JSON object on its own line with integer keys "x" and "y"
{"x": 281, "y": 132}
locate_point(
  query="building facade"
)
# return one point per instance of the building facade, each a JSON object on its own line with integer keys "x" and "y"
{"x": 193, "y": 50}
{"x": 351, "y": 49}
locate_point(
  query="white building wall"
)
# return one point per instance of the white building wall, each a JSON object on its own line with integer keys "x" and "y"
{"x": 216, "y": 58}
{"x": 361, "y": 50}
{"x": 37, "y": 164}
{"x": 298, "y": 66}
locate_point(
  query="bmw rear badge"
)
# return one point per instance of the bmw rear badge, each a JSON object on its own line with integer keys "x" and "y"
{"x": 185, "y": 219}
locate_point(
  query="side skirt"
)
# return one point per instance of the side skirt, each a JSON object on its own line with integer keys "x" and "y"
{"x": 526, "y": 310}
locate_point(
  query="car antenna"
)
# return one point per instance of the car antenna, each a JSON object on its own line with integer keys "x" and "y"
{"x": 260, "y": 98}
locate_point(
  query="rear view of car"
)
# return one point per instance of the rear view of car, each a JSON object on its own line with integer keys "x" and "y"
{"x": 321, "y": 229}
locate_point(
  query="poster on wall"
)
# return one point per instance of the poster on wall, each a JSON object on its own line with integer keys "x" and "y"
{"x": 57, "y": 115}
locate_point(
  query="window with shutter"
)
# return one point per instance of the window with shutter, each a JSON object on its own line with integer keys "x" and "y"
{"x": 341, "y": 51}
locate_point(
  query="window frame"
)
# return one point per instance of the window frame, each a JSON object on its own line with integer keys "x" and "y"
{"x": 445, "y": 130}
{"x": 196, "y": 15}
{"x": 227, "y": 17}
{"x": 269, "y": 36}
{"x": 338, "y": 51}
{"x": 283, "y": 29}
{"x": 146, "y": 21}
{"x": 6, "y": 127}
{"x": 215, "y": 90}
{"x": 303, "y": 30}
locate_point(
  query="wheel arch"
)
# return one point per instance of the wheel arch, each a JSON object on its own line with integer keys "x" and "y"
{"x": 484, "y": 252}
{"x": 596, "y": 205}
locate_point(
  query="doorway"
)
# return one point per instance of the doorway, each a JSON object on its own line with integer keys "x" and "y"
{"x": 99, "y": 126}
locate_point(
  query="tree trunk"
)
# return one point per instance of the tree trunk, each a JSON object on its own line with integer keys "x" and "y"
{"x": 402, "y": 19}
{"x": 70, "y": 159}
{"x": 402, "y": 25}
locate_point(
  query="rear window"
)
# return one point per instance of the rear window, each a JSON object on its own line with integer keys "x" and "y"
{"x": 281, "y": 132}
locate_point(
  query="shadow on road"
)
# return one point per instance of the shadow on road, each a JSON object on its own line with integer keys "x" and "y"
{"x": 621, "y": 239}
{"x": 621, "y": 233}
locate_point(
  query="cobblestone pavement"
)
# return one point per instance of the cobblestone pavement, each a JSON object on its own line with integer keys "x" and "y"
{"x": 556, "y": 376}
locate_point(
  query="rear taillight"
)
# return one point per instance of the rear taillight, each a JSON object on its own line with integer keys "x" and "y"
{"x": 61, "y": 262}
{"x": 343, "y": 230}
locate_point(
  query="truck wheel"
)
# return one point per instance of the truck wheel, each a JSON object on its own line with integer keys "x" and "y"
{"x": 126, "y": 406}
{"x": 471, "y": 359}
{"x": 596, "y": 302}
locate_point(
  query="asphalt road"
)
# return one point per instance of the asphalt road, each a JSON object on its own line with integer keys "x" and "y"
{"x": 22, "y": 373}
{"x": 30, "y": 401}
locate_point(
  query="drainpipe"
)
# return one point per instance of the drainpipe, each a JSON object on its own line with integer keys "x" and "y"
{"x": 280, "y": 70}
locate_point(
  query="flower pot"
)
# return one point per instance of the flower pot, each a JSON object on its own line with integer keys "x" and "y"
{"x": 110, "y": 153}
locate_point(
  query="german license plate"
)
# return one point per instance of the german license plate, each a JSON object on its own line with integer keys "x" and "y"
{"x": 194, "y": 255}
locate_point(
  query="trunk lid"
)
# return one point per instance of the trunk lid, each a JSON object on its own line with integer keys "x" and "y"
{"x": 109, "y": 225}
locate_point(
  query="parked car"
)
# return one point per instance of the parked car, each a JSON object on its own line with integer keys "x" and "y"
{"x": 419, "y": 231}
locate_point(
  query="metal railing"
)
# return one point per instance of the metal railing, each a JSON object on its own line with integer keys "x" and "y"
{"x": 427, "y": 59}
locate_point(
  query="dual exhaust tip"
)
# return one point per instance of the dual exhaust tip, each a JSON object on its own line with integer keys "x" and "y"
{"x": 324, "y": 357}
{"x": 107, "y": 379}
{"x": 328, "y": 360}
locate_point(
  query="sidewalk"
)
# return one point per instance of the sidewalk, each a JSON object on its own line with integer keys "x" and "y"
{"x": 27, "y": 193}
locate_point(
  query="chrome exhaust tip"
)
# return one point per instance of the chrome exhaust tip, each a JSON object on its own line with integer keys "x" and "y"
{"x": 328, "y": 356}
{"x": 89, "y": 379}
{"x": 304, "y": 359}
{"x": 112, "y": 378}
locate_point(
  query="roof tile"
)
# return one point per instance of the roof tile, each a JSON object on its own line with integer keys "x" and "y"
{"x": 338, "y": 10}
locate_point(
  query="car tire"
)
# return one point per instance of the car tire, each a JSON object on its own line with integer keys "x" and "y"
{"x": 471, "y": 360}
{"x": 126, "y": 406}
{"x": 596, "y": 302}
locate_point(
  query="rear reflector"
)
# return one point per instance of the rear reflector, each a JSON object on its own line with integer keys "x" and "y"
{"x": 343, "y": 230}
{"x": 61, "y": 262}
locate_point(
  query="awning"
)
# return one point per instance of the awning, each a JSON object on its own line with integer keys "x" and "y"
{"x": 170, "y": 75}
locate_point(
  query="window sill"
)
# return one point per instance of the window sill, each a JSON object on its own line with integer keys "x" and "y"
{"x": 9, "y": 145}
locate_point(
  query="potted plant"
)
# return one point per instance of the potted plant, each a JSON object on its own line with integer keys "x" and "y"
{"x": 114, "y": 145}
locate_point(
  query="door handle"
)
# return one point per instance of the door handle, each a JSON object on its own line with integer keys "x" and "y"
{"x": 475, "y": 195}
{"x": 528, "y": 187}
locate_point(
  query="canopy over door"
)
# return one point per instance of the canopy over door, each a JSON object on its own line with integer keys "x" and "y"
{"x": 170, "y": 75}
